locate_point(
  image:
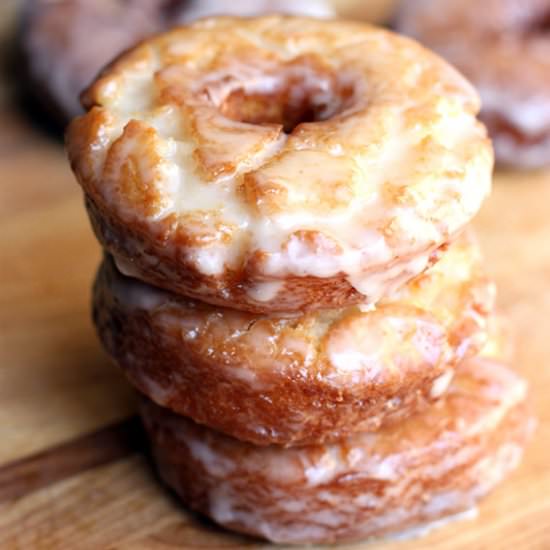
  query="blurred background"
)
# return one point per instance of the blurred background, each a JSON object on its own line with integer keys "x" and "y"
{"x": 61, "y": 45}
{"x": 55, "y": 382}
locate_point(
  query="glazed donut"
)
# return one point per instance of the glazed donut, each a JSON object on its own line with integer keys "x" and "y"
{"x": 67, "y": 42}
{"x": 434, "y": 464}
{"x": 279, "y": 164}
{"x": 305, "y": 379}
{"x": 506, "y": 54}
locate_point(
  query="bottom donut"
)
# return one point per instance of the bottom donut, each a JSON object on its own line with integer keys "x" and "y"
{"x": 434, "y": 465}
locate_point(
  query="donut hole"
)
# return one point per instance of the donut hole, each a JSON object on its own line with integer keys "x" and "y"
{"x": 291, "y": 98}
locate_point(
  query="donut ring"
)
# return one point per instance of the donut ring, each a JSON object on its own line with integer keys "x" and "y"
{"x": 56, "y": 35}
{"x": 506, "y": 55}
{"x": 203, "y": 176}
{"x": 434, "y": 464}
{"x": 307, "y": 379}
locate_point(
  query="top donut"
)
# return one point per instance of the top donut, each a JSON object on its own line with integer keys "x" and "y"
{"x": 279, "y": 163}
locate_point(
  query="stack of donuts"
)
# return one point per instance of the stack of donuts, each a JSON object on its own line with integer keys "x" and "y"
{"x": 288, "y": 277}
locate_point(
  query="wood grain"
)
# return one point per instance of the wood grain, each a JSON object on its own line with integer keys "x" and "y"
{"x": 109, "y": 444}
{"x": 57, "y": 385}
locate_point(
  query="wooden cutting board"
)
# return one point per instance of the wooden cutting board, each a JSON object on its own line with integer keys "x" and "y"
{"x": 90, "y": 485}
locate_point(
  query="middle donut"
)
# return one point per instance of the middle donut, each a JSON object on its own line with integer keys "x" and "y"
{"x": 311, "y": 378}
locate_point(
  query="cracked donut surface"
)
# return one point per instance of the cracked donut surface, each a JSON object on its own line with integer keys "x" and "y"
{"x": 305, "y": 379}
{"x": 279, "y": 163}
{"x": 430, "y": 466}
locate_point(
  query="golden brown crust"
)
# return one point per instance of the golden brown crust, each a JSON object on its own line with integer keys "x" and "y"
{"x": 505, "y": 54}
{"x": 309, "y": 378}
{"x": 136, "y": 257}
{"x": 270, "y": 160}
{"x": 435, "y": 464}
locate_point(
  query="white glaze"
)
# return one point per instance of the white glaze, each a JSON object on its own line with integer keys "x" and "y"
{"x": 356, "y": 350}
{"x": 134, "y": 294}
{"x": 315, "y": 506}
{"x": 441, "y": 383}
{"x": 426, "y": 528}
{"x": 159, "y": 393}
{"x": 214, "y": 463}
{"x": 378, "y": 146}
{"x": 266, "y": 291}
{"x": 530, "y": 114}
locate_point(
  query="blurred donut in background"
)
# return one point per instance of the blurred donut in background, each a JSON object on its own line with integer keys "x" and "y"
{"x": 65, "y": 43}
{"x": 8, "y": 17}
{"x": 195, "y": 9}
{"x": 505, "y": 52}
{"x": 373, "y": 11}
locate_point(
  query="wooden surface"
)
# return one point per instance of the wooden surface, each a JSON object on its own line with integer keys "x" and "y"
{"x": 57, "y": 387}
